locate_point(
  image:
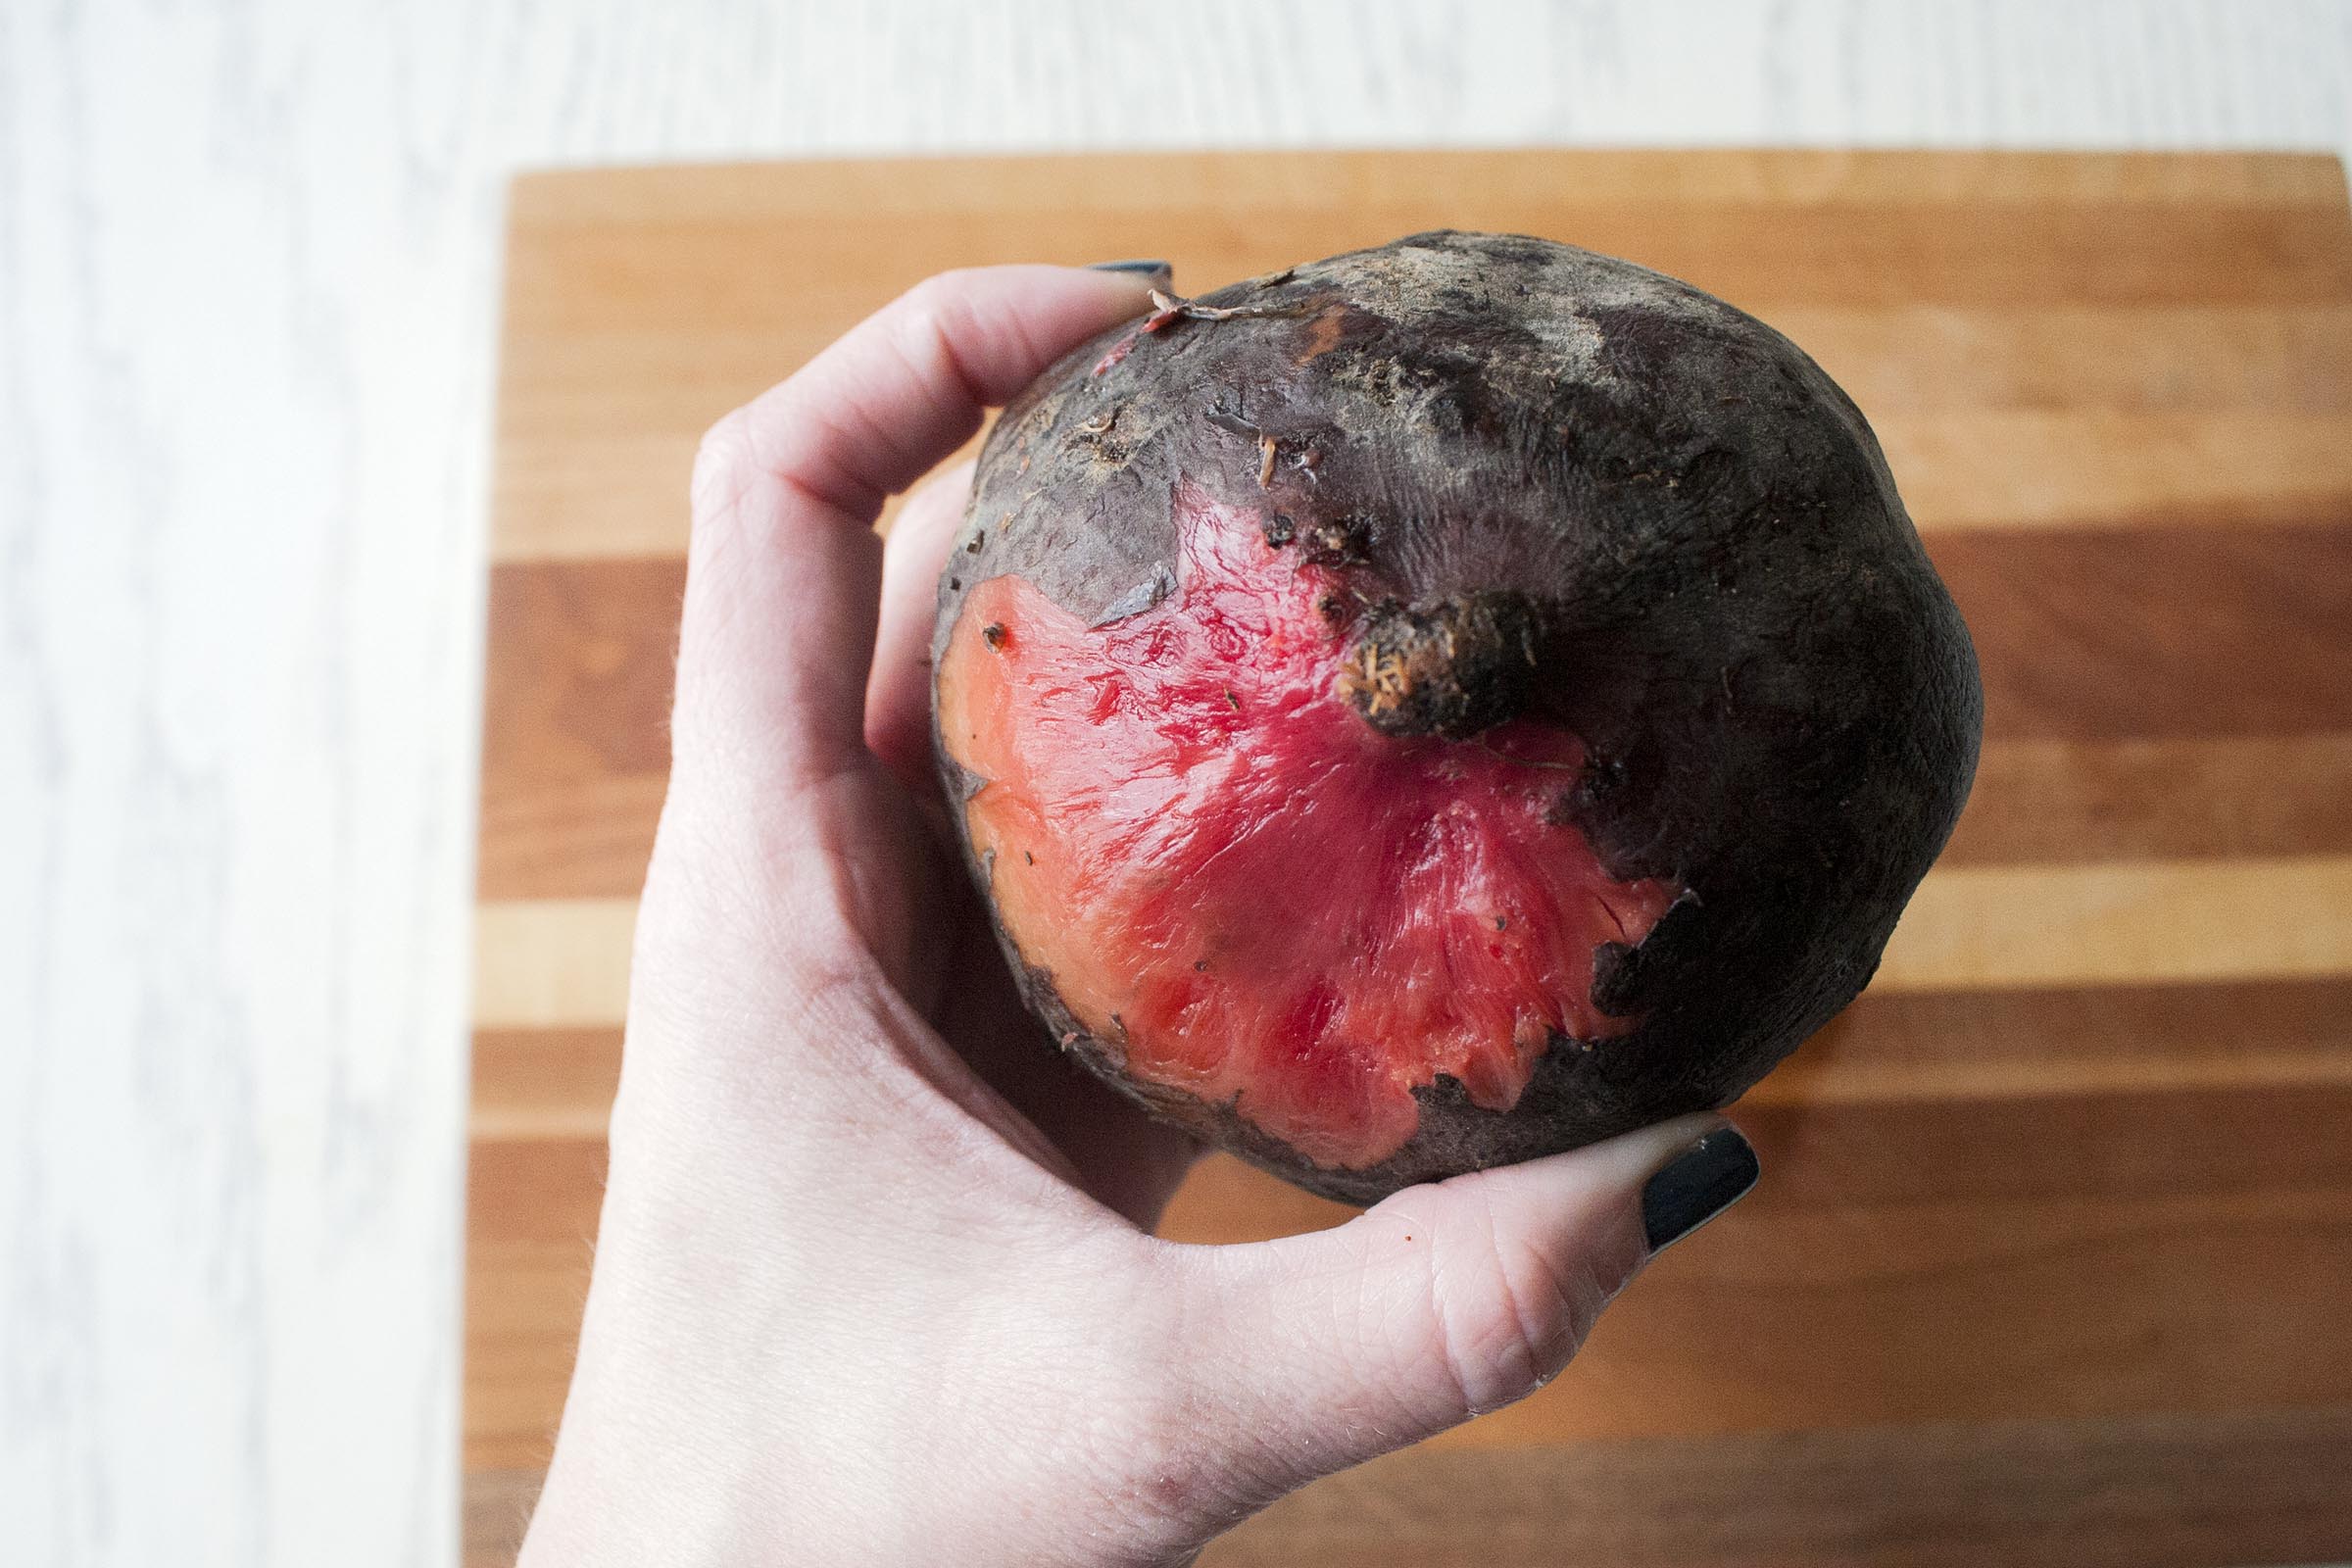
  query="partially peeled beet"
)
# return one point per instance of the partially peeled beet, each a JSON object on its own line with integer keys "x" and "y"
{"x": 1444, "y": 705}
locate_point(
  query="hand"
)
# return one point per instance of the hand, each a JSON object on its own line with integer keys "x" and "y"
{"x": 874, "y": 1282}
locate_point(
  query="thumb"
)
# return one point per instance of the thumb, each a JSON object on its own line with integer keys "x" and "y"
{"x": 1444, "y": 1301}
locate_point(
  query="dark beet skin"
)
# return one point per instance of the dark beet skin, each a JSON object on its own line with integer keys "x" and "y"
{"x": 1561, "y": 494}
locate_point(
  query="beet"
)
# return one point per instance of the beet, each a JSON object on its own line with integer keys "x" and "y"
{"x": 1444, "y": 705}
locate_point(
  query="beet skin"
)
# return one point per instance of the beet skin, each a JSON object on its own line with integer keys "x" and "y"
{"x": 1444, "y": 705}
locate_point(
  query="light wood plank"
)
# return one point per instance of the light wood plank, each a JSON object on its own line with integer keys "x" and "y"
{"x": 2120, "y": 924}
{"x": 1889, "y": 1049}
{"x": 1153, "y": 182}
{"x": 2030, "y": 469}
{"x": 672, "y": 275}
{"x": 552, "y": 963}
{"x": 2049, "y": 801}
{"x": 2116, "y": 359}
{"x": 564, "y": 962}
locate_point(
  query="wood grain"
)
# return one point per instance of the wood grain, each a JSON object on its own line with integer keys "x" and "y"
{"x": 2150, "y": 1493}
{"x": 575, "y": 724}
{"x": 530, "y": 1230}
{"x": 2162, "y": 631}
{"x": 1986, "y": 1046}
{"x": 552, "y": 963}
{"x": 2123, "y": 923}
{"x": 1026, "y": 190}
{"x": 2146, "y": 1492}
{"x": 2032, "y": 468}
{"x": 1971, "y": 471}
{"x": 2059, "y": 1203}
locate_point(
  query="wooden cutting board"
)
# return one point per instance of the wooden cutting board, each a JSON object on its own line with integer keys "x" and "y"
{"x": 2052, "y": 1258}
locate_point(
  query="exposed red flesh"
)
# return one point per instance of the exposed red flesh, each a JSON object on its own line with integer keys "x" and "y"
{"x": 1226, "y": 869}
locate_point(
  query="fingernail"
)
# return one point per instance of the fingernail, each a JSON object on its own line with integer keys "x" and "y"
{"x": 1143, "y": 267}
{"x": 1703, "y": 1181}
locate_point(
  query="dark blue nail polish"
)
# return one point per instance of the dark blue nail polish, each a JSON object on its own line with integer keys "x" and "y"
{"x": 1703, "y": 1181}
{"x": 1140, "y": 267}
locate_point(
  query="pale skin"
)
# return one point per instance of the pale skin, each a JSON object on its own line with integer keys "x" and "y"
{"x": 875, "y": 1281}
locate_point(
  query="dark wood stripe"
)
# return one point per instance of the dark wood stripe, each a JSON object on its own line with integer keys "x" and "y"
{"x": 2094, "y": 1147}
{"x": 2149, "y": 651}
{"x": 2223, "y": 1163}
{"x": 2150, "y": 1492}
{"x": 497, "y": 1505}
{"x": 2157, "y": 1036}
{"x": 2158, "y": 1492}
{"x": 537, "y": 1083}
{"x": 2158, "y": 632}
{"x": 2001, "y": 1096}
{"x": 531, "y": 1231}
{"x": 575, "y": 743}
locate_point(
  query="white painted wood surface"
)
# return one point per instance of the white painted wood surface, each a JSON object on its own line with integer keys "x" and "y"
{"x": 248, "y": 267}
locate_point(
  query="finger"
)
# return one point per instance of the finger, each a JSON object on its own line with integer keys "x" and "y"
{"x": 898, "y": 693}
{"x": 783, "y": 570}
{"x": 1446, "y": 1301}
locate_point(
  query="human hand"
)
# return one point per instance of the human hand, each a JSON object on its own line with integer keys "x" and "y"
{"x": 874, "y": 1282}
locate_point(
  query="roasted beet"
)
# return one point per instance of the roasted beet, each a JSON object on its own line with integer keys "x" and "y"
{"x": 1444, "y": 705}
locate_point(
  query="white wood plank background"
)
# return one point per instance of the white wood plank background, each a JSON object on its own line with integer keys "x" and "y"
{"x": 248, "y": 263}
